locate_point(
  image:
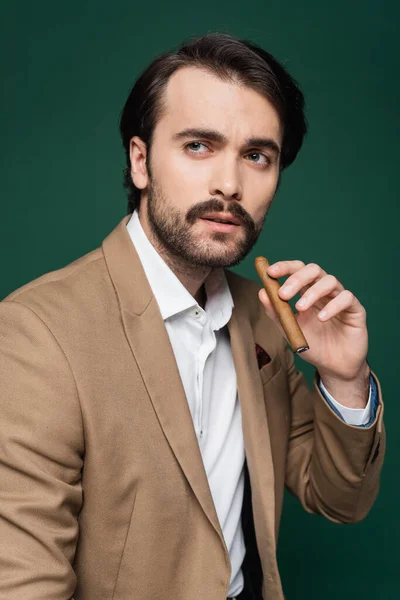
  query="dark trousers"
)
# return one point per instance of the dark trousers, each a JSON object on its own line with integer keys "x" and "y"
{"x": 248, "y": 592}
{"x": 251, "y": 566}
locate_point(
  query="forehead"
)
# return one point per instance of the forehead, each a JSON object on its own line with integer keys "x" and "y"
{"x": 194, "y": 97}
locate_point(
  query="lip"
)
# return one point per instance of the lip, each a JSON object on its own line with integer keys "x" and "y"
{"x": 221, "y": 227}
{"x": 223, "y": 216}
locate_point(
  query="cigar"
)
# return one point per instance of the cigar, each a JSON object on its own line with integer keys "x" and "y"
{"x": 283, "y": 309}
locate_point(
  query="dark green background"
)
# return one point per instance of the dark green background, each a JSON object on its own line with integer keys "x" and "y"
{"x": 66, "y": 72}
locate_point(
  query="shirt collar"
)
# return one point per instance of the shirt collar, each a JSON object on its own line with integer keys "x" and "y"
{"x": 171, "y": 295}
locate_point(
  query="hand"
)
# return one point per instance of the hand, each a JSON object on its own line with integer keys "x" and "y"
{"x": 339, "y": 340}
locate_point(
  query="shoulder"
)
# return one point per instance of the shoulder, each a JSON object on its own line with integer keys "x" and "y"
{"x": 64, "y": 288}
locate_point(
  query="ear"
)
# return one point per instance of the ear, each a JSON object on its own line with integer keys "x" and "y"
{"x": 137, "y": 155}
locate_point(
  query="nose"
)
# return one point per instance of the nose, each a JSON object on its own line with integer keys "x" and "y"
{"x": 225, "y": 180}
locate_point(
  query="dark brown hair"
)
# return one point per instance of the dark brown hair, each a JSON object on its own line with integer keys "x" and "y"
{"x": 231, "y": 59}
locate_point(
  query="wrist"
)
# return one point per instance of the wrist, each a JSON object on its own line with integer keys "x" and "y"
{"x": 352, "y": 393}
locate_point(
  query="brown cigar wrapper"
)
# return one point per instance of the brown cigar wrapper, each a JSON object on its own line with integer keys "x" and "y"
{"x": 283, "y": 309}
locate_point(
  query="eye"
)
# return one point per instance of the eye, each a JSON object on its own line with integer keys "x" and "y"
{"x": 194, "y": 147}
{"x": 255, "y": 155}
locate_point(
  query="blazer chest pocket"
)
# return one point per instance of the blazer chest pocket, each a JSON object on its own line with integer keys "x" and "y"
{"x": 268, "y": 371}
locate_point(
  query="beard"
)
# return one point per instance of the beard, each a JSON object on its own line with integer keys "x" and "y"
{"x": 173, "y": 231}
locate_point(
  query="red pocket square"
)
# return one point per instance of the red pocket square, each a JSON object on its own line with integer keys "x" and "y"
{"x": 263, "y": 358}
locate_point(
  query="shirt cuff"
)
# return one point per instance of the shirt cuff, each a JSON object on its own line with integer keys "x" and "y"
{"x": 362, "y": 417}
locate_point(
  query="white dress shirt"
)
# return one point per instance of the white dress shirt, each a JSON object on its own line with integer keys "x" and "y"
{"x": 200, "y": 342}
{"x": 352, "y": 416}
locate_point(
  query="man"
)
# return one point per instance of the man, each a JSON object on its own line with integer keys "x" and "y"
{"x": 151, "y": 409}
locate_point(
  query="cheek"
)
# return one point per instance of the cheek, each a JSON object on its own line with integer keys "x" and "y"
{"x": 183, "y": 180}
{"x": 180, "y": 182}
{"x": 191, "y": 173}
{"x": 260, "y": 194}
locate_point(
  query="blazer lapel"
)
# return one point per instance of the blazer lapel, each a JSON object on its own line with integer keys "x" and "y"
{"x": 255, "y": 428}
{"x": 151, "y": 348}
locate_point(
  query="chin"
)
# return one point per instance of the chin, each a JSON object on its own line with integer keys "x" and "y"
{"x": 216, "y": 260}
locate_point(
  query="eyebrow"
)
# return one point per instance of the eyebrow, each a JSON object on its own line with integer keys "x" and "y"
{"x": 217, "y": 136}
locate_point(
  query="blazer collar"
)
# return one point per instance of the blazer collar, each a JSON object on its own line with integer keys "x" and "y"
{"x": 125, "y": 269}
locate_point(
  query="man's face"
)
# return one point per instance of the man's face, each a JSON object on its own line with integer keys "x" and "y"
{"x": 214, "y": 155}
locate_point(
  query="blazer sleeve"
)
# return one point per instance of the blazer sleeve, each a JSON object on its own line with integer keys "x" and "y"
{"x": 333, "y": 467}
{"x": 41, "y": 457}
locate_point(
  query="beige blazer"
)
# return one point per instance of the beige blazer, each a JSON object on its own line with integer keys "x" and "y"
{"x": 103, "y": 493}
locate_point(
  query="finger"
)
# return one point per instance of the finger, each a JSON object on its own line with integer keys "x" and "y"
{"x": 345, "y": 301}
{"x": 301, "y": 279}
{"x": 284, "y": 267}
{"x": 328, "y": 285}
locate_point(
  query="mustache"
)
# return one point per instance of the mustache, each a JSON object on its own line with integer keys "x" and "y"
{"x": 215, "y": 205}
